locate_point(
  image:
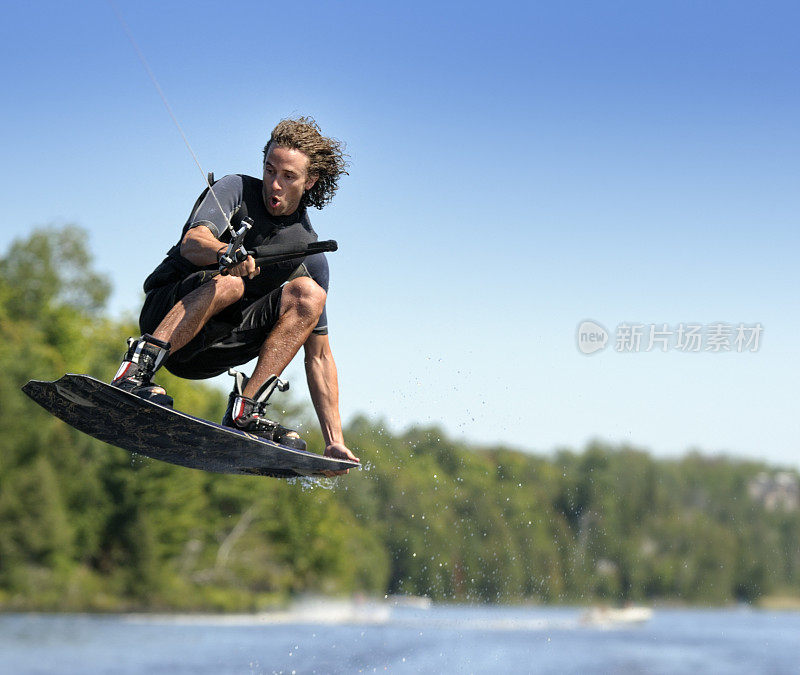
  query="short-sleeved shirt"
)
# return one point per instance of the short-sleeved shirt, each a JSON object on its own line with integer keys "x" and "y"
{"x": 235, "y": 335}
{"x": 240, "y": 196}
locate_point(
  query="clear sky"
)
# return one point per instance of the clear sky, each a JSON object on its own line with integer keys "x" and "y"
{"x": 517, "y": 168}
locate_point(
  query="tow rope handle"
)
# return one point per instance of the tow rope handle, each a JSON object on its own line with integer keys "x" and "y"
{"x": 272, "y": 255}
{"x": 235, "y": 253}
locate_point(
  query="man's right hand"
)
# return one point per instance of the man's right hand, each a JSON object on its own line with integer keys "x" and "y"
{"x": 246, "y": 268}
{"x": 201, "y": 247}
{"x": 339, "y": 451}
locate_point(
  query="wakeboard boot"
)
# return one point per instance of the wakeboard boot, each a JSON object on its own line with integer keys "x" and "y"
{"x": 248, "y": 414}
{"x": 139, "y": 364}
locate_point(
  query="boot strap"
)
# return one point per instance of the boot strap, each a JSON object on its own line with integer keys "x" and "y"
{"x": 139, "y": 348}
{"x": 264, "y": 392}
{"x": 155, "y": 341}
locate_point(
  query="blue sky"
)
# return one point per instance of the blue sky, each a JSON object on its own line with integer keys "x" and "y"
{"x": 516, "y": 169}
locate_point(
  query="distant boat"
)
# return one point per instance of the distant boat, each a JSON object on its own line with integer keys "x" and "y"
{"x": 609, "y": 617}
{"x": 321, "y": 610}
{"x": 310, "y": 610}
{"x": 414, "y": 601}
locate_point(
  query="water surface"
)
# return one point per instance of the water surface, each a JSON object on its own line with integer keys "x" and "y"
{"x": 372, "y": 638}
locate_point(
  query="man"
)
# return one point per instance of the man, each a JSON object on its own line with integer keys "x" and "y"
{"x": 198, "y": 324}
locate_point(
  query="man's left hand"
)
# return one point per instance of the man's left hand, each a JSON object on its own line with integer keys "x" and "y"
{"x": 339, "y": 451}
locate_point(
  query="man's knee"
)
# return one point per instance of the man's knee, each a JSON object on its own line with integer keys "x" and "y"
{"x": 304, "y": 295}
{"x": 227, "y": 290}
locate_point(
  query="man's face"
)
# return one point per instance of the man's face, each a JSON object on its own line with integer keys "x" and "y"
{"x": 285, "y": 179}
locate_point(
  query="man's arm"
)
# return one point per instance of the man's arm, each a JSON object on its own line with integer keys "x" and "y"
{"x": 323, "y": 385}
{"x": 200, "y": 247}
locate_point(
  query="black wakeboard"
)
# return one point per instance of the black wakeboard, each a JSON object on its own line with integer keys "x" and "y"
{"x": 145, "y": 428}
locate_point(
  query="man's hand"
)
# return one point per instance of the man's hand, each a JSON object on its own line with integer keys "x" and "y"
{"x": 246, "y": 268}
{"x": 339, "y": 451}
{"x": 201, "y": 247}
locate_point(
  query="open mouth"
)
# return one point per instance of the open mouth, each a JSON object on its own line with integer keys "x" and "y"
{"x": 274, "y": 201}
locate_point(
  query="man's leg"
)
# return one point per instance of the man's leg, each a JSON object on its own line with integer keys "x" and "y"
{"x": 193, "y": 311}
{"x": 302, "y": 302}
{"x": 301, "y": 305}
{"x": 185, "y": 320}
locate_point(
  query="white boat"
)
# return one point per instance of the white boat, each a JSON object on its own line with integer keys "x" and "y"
{"x": 413, "y": 601}
{"x": 605, "y": 617}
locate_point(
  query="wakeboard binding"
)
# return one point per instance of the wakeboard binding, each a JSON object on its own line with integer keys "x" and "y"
{"x": 139, "y": 364}
{"x": 249, "y": 414}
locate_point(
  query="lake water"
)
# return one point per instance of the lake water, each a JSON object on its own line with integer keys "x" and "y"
{"x": 333, "y": 638}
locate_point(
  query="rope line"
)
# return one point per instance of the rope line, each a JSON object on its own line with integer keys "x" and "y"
{"x": 153, "y": 79}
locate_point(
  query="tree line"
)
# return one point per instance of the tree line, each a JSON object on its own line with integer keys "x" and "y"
{"x": 84, "y": 526}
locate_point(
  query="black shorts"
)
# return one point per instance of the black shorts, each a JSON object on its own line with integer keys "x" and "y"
{"x": 230, "y": 338}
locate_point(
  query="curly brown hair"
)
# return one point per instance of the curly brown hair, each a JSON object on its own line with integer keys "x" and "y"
{"x": 326, "y": 158}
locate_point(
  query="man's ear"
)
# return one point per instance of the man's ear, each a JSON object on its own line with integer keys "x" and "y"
{"x": 311, "y": 181}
